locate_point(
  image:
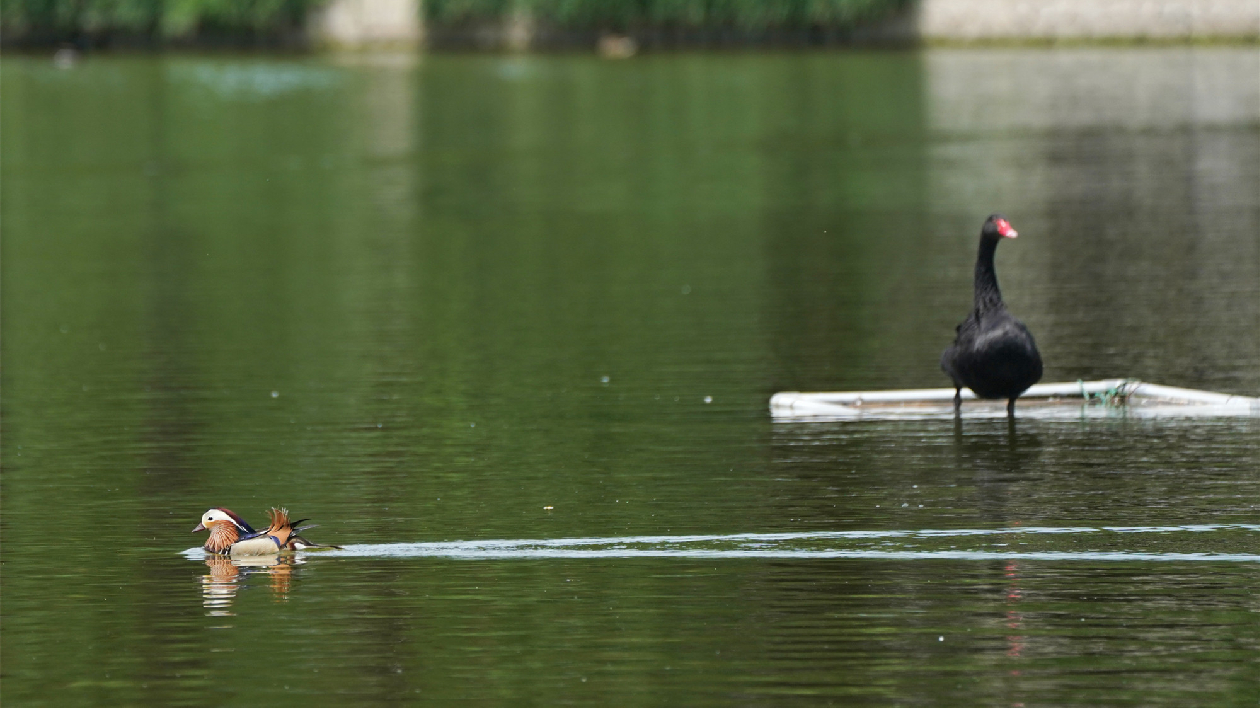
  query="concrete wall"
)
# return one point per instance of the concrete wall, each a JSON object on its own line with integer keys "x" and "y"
{"x": 368, "y": 23}
{"x": 1088, "y": 19}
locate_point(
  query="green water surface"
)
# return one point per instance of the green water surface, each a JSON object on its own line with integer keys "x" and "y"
{"x": 468, "y": 298}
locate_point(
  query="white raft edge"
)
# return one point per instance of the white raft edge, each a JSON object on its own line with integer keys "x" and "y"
{"x": 843, "y": 404}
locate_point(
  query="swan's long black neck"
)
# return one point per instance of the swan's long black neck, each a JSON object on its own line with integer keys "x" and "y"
{"x": 988, "y": 296}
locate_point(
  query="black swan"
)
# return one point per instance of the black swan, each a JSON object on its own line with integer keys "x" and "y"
{"x": 994, "y": 354}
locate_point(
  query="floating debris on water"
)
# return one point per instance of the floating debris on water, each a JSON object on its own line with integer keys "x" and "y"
{"x": 1071, "y": 400}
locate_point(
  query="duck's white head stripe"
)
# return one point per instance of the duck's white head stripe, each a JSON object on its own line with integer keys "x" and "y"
{"x": 221, "y": 514}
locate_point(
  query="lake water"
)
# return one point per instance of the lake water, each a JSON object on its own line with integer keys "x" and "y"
{"x": 506, "y": 327}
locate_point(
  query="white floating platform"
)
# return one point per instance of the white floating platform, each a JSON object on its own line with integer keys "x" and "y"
{"x": 1110, "y": 397}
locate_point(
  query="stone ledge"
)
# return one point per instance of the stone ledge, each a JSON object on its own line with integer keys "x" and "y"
{"x": 378, "y": 23}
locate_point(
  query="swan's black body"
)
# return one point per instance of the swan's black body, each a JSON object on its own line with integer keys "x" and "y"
{"x": 994, "y": 354}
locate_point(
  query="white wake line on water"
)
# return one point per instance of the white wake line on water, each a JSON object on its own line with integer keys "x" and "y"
{"x": 779, "y": 545}
{"x": 826, "y": 535}
{"x": 417, "y": 550}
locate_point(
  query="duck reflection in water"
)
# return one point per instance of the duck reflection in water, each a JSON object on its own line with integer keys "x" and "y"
{"x": 227, "y": 576}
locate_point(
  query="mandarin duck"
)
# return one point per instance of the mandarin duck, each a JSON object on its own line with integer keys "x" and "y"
{"x": 230, "y": 535}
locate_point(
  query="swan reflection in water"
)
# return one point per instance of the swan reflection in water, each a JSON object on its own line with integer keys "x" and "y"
{"x": 227, "y": 576}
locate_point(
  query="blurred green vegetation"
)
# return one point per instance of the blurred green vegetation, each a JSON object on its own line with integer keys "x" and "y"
{"x": 752, "y": 15}
{"x": 146, "y": 21}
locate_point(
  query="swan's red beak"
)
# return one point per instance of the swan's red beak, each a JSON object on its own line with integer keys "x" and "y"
{"x": 1005, "y": 230}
